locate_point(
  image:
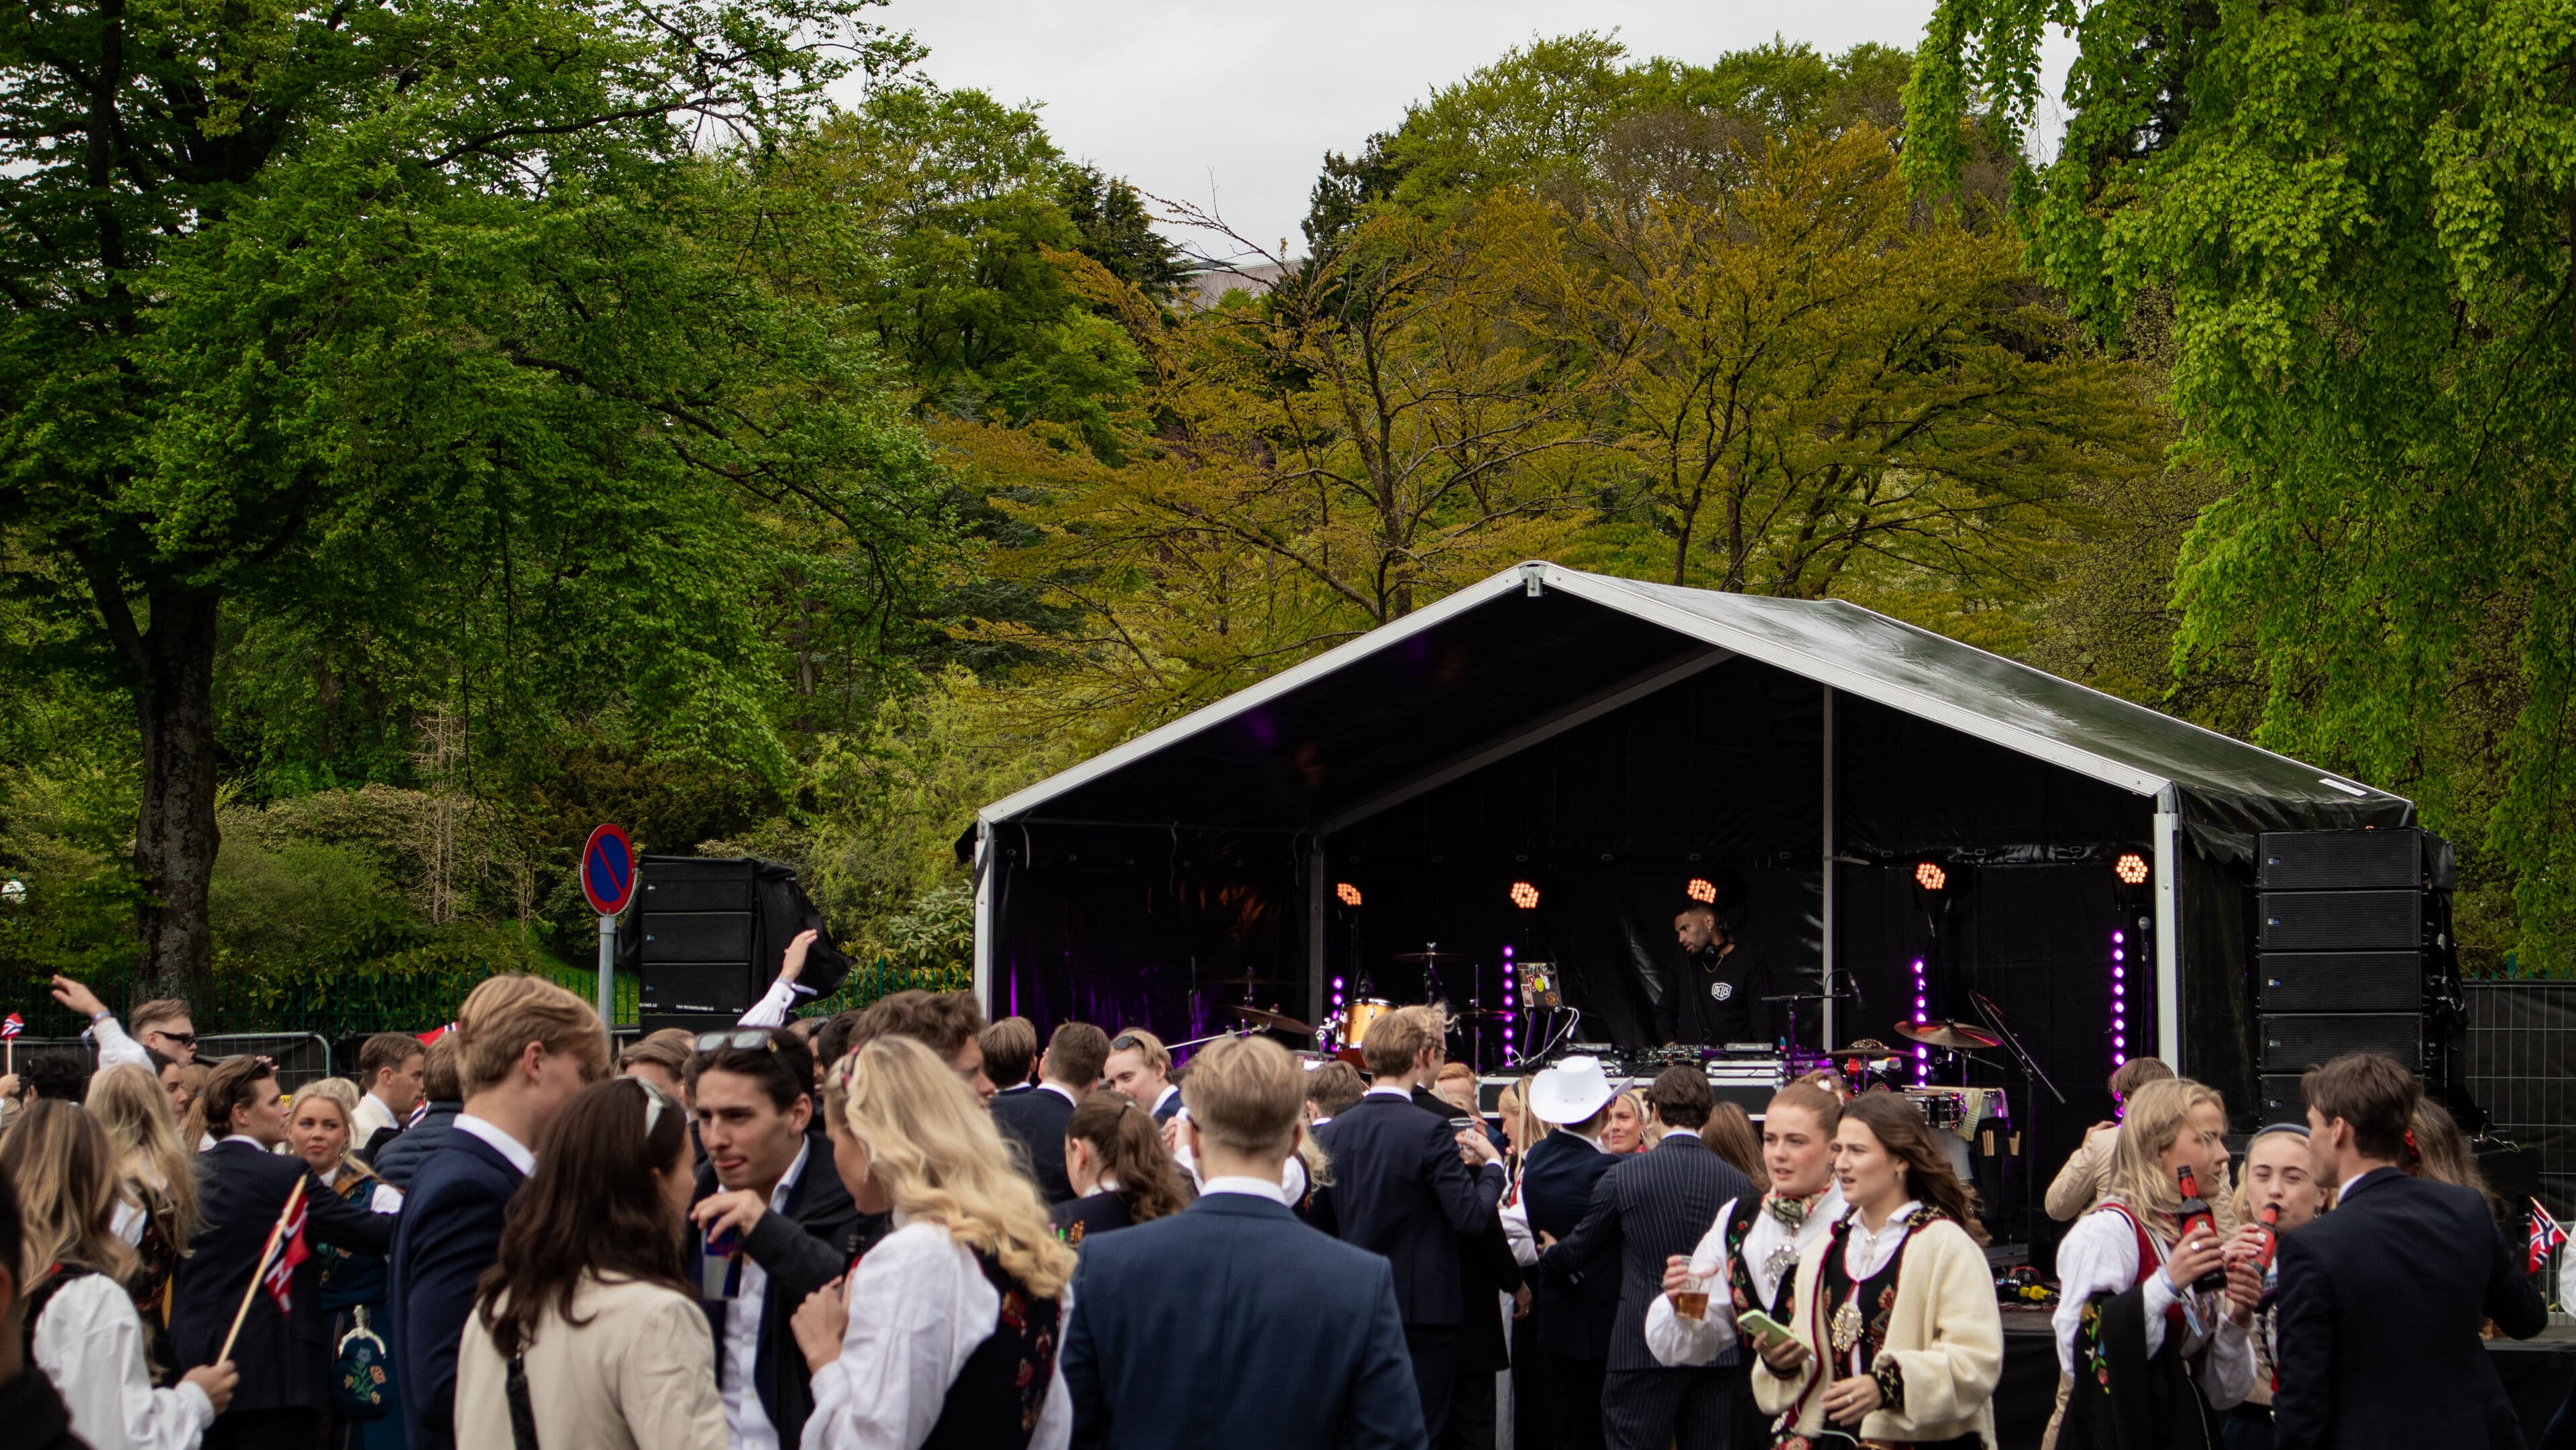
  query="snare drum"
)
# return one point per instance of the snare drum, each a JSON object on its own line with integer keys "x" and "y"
{"x": 1357, "y": 1018}
{"x": 1943, "y": 1110}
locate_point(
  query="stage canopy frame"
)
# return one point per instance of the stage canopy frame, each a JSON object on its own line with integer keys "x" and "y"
{"x": 1457, "y": 697}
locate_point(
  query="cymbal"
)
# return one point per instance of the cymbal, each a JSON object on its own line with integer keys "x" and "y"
{"x": 1957, "y": 1036}
{"x": 1866, "y": 1047}
{"x": 1278, "y": 1021}
{"x": 1430, "y": 957}
{"x": 1248, "y": 982}
{"x": 1477, "y": 1014}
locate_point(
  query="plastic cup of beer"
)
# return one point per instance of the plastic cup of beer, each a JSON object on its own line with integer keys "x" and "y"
{"x": 1692, "y": 1300}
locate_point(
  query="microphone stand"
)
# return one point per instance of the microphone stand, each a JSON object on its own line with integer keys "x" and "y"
{"x": 1993, "y": 1016}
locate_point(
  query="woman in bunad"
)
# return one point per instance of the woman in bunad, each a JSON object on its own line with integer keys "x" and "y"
{"x": 1896, "y": 1339}
{"x": 2279, "y": 1176}
{"x": 2155, "y": 1360}
{"x": 1756, "y": 1250}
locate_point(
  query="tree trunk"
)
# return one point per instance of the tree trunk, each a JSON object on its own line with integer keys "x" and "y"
{"x": 175, "y": 835}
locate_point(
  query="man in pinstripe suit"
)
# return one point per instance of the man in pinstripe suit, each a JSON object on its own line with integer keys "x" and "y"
{"x": 1644, "y": 1210}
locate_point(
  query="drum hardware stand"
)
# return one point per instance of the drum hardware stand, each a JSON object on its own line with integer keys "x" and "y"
{"x": 1213, "y": 1037}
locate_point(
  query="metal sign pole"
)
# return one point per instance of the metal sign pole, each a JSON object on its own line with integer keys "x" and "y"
{"x": 607, "y": 970}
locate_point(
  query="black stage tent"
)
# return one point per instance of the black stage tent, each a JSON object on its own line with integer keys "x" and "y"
{"x": 1607, "y": 743}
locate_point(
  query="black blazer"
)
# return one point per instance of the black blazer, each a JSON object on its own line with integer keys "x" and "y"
{"x": 801, "y": 1250}
{"x": 1093, "y": 1213}
{"x": 398, "y": 1160}
{"x": 284, "y": 1359}
{"x": 1035, "y": 1120}
{"x": 1485, "y": 1268}
{"x": 1311, "y": 1322}
{"x": 1647, "y": 1208}
{"x": 1575, "y": 1314}
{"x": 1399, "y": 1190}
{"x": 450, "y": 1233}
{"x": 2378, "y": 1317}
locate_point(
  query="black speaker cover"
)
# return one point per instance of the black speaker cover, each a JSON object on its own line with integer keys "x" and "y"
{"x": 2294, "y": 1042}
{"x": 698, "y": 936}
{"x": 2327, "y": 921}
{"x": 2340, "y": 860}
{"x": 723, "y": 990}
{"x": 2282, "y": 1100}
{"x": 2339, "y": 981}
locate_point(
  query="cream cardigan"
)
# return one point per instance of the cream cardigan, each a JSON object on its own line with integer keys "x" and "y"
{"x": 1944, "y": 1332}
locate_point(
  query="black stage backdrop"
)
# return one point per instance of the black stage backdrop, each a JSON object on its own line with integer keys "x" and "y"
{"x": 1719, "y": 777}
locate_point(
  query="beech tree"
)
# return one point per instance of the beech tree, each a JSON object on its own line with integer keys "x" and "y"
{"x": 399, "y": 324}
{"x": 2363, "y": 221}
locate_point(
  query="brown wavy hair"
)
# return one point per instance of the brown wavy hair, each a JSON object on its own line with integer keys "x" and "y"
{"x": 1131, "y": 1151}
{"x": 591, "y": 1211}
{"x": 1899, "y": 1127}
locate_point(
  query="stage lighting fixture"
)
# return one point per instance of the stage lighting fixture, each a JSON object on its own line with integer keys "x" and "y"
{"x": 1349, "y": 894}
{"x": 2131, "y": 868}
{"x": 1930, "y": 876}
{"x": 2120, "y": 996}
{"x": 1702, "y": 889}
{"x": 1524, "y": 896}
{"x": 1922, "y": 1013}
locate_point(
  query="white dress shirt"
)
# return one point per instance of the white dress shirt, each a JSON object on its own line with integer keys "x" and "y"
{"x": 2100, "y": 1256}
{"x": 89, "y": 1342}
{"x": 737, "y": 1375}
{"x": 1060, "y": 1090}
{"x": 919, "y": 1306}
{"x": 115, "y": 1046}
{"x": 501, "y": 1142}
{"x": 775, "y": 1004}
{"x": 1677, "y": 1341}
{"x": 1253, "y": 1187}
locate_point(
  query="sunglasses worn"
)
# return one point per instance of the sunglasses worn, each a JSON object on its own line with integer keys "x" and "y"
{"x": 184, "y": 1039}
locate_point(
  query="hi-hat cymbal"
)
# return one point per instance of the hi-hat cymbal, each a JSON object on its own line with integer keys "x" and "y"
{"x": 1956, "y": 1036}
{"x": 1278, "y": 1021}
{"x": 1430, "y": 957}
{"x": 1866, "y": 1047}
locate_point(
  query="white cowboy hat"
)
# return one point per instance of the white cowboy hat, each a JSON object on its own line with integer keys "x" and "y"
{"x": 1570, "y": 1092}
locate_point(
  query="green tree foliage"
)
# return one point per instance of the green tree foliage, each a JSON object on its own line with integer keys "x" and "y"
{"x": 2362, "y": 219}
{"x": 387, "y": 338}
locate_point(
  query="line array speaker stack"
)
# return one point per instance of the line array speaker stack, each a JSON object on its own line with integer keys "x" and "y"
{"x": 706, "y": 935}
{"x": 2352, "y": 952}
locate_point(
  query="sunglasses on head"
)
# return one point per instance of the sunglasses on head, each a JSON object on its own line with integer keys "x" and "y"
{"x": 745, "y": 1038}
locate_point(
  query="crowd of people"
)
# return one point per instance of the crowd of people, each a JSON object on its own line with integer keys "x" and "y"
{"x": 907, "y": 1227}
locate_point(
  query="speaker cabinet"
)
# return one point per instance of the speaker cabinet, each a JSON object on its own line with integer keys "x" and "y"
{"x": 679, "y": 883}
{"x": 698, "y": 936}
{"x": 2339, "y": 981}
{"x": 2294, "y": 1042}
{"x": 2282, "y": 1100}
{"x": 2341, "y": 860}
{"x": 2332, "y": 921}
{"x": 703, "y": 990}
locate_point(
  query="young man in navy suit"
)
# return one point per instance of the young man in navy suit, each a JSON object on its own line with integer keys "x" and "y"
{"x": 2381, "y": 1300}
{"x": 1230, "y": 1323}
{"x": 1556, "y": 1186}
{"x": 281, "y": 1357}
{"x": 525, "y": 1047}
{"x": 1401, "y": 1188}
{"x": 1647, "y": 1208}
{"x": 1034, "y": 1120}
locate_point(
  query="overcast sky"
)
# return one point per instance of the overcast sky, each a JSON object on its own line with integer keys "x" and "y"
{"x": 1234, "y": 105}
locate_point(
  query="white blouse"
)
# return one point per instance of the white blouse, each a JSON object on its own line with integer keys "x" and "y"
{"x": 90, "y": 1344}
{"x": 1674, "y": 1340}
{"x": 2100, "y": 1256}
{"x": 919, "y": 1306}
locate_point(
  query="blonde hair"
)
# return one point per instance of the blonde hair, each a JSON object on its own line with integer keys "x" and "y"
{"x": 1650, "y": 1129}
{"x": 1513, "y": 1104}
{"x": 503, "y": 1015}
{"x": 935, "y": 1150}
{"x": 2159, "y": 1113}
{"x": 1244, "y": 1097}
{"x": 134, "y": 1108}
{"x": 343, "y": 1094}
{"x": 1395, "y": 1040}
{"x": 63, "y": 1165}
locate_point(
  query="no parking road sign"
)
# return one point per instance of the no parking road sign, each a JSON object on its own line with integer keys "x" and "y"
{"x": 608, "y": 870}
{"x": 608, "y": 879}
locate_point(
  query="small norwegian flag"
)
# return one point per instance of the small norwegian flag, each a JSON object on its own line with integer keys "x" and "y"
{"x": 12, "y": 1025}
{"x": 291, "y": 1252}
{"x": 2546, "y": 1235}
{"x": 430, "y": 1038}
{"x": 419, "y": 1110}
